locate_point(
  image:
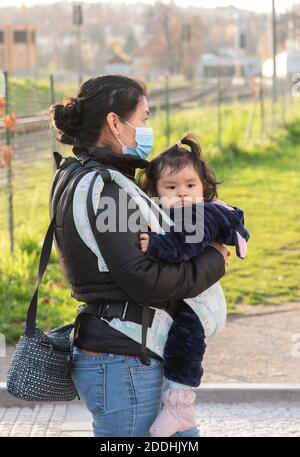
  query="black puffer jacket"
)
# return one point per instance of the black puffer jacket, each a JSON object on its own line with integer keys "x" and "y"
{"x": 131, "y": 275}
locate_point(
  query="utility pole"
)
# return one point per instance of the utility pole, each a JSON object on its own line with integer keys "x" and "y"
{"x": 219, "y": 120}
{"x": 274, "y": 52}
{"x": 240, "y": 43}
{"x": 237, "y": 35}
{"x": 9, "y": 169}
{"x": 296, "y": 30}
{"x": 167, "y": 109}
{"x": 77, "y": 21}
{"x": 186, "y": 35}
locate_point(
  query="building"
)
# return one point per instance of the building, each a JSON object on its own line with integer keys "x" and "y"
{"x": 18, "y": 53}
{"x": 209, "y": 65}
{"x": 287, "y": 63}
{"x": 120, "y": 62}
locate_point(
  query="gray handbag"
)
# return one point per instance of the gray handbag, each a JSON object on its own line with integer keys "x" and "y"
{"x": 41, "y": 366}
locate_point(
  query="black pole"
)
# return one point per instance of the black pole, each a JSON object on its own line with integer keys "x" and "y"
{"x": 9, "y": 171}
{"x": 274, "y": 48}
{"x": 220, "y": 108}
{"x": 167, "y": 108}
{"x": 79, "y": 66}
{"x": 78, "y": 21}
{"x": 262, "y": 106}
{"x": 52, "y": 100}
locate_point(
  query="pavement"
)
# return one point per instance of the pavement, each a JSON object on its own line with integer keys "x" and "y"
{"x": 250, "y": 387}
{"x": 215, "y": 419}
{"x": 260, "y": 345}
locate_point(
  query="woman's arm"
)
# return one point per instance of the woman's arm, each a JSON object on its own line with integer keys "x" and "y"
{"x": 144, "y": 280}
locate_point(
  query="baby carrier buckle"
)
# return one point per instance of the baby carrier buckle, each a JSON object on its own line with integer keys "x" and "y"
{"x": 111, "y": 310}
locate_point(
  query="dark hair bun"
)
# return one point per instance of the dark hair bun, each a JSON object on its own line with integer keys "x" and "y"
{"x": 66, "y": 118}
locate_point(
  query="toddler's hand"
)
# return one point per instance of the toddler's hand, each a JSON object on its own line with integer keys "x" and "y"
{"x": 144, "y": 241}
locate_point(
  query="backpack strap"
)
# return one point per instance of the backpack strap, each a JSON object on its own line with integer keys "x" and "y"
{"x": 57, "y": 159}
{"x": 106, "y": 176}
{"x": 145, "y": 323}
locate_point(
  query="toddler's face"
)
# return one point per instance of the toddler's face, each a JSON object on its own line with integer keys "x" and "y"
{"x": 181, "y": 188}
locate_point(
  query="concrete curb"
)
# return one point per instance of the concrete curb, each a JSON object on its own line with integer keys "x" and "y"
{"x": 247, "y": 392}
{"x": 207, "y": 393}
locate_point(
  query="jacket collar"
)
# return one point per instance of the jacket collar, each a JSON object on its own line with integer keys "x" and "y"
{"x": 125, "y": 163}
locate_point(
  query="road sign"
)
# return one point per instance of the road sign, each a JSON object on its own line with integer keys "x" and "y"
{"x": 77, "y": 14}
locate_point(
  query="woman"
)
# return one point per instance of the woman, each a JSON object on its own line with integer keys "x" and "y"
{"x": 119, "y": 382}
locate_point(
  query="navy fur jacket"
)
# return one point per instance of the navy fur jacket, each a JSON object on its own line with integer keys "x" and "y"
{"x": 209, "y": 221}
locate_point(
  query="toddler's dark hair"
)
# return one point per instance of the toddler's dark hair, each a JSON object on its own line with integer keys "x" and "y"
{"x": 177, "y": 157}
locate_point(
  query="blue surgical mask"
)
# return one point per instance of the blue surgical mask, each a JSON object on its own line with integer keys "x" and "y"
{"x": 144, "y": 141}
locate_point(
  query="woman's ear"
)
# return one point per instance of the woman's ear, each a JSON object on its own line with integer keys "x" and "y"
{"x": 113, "y": 122}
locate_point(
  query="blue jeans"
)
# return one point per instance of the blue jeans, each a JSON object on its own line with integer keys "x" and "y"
{"x": 123, "y": 395}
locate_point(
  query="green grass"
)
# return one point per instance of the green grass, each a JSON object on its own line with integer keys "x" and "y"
{"x": 29, "y": 97}
{"x": 267, "y": 186}
{"x": 262, "y": 177}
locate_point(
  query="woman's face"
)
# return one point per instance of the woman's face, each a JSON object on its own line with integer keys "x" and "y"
{"x": 118, "y": 128}
{"x": 138, "y": 119}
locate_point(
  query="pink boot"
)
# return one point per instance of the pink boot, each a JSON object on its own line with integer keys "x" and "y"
{"x": 177, "y": 414}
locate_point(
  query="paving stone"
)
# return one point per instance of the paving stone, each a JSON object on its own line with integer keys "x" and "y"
{"x": 257, "y": 419}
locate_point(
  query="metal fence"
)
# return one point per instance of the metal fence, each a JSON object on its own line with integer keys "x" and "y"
{"x": 25, "y": 176}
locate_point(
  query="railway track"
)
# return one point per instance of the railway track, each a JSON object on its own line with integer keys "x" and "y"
{"x": 180, "y": 97}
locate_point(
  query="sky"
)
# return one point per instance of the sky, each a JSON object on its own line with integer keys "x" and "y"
{"x": 253, "y": 5}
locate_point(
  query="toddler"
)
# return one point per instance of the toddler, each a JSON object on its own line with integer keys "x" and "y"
{"x": 187, "y": 189}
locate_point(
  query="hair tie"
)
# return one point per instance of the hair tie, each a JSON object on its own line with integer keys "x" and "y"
{"x": 178, "y": 144}
{"x": 78, "y": 105}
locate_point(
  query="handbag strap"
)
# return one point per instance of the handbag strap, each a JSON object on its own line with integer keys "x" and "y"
{"x": 30, "y": 329}
{"x": 44, "y": 260}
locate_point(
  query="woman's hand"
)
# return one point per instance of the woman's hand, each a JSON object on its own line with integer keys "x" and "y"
{"x": 144, "y": 241}
{"x": 223, "y": 250}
